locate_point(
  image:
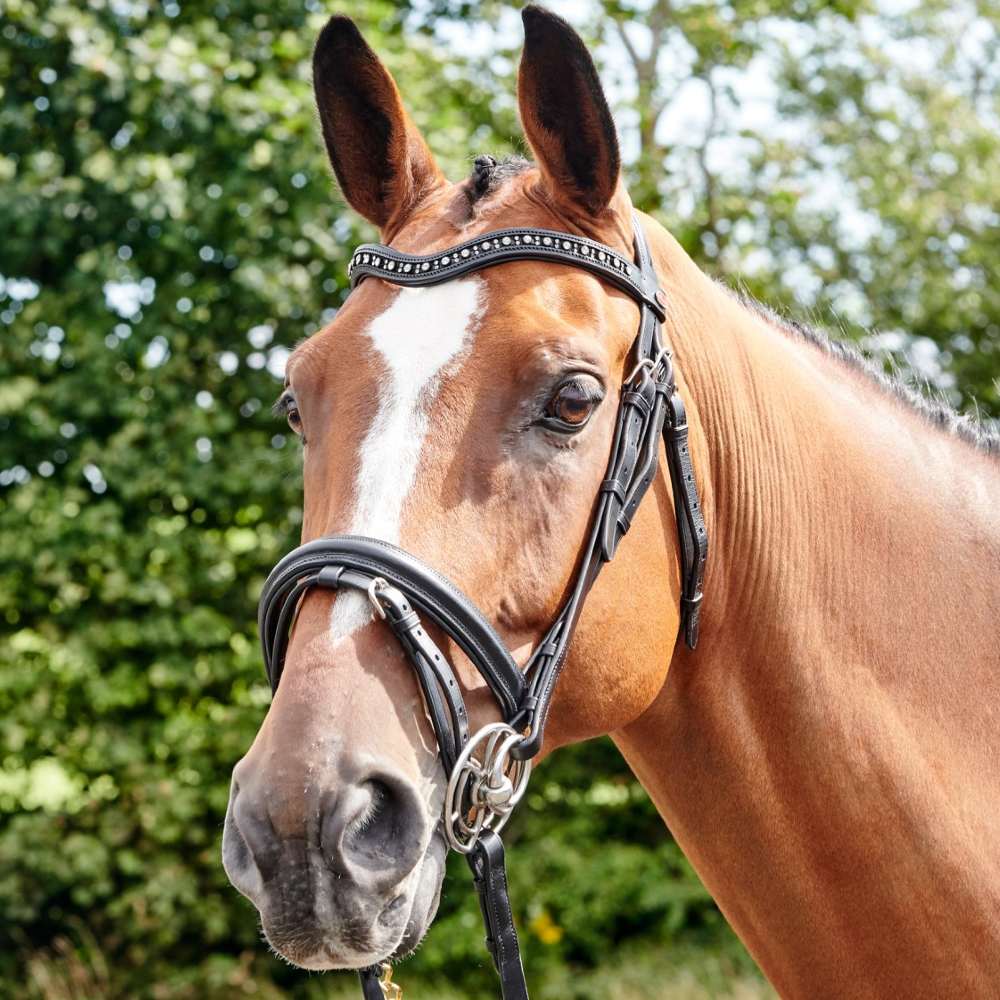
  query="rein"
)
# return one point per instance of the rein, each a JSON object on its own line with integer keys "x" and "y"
{"x": 489, "y": 770}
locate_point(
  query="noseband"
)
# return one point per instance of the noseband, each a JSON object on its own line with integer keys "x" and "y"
{"x": 488, "y": 771}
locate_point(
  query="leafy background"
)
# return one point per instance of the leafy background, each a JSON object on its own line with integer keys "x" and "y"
{"x": 168, "y": 229}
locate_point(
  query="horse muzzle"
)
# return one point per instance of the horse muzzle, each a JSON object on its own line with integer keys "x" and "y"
{"x": 355, "y": 883}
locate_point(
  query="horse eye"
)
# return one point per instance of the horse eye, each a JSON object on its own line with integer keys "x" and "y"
{"x": 288, "y": 408}
{"x": 572, "y": 404}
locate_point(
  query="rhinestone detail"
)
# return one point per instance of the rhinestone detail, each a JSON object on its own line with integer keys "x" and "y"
{"x": 607, "y": 259}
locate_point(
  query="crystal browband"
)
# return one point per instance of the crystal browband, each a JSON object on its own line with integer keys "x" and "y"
{"x": 500, "y": 246}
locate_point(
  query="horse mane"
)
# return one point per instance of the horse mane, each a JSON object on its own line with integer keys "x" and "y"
{"x": 931, "y": 406}
{"x": 489, "y": 174}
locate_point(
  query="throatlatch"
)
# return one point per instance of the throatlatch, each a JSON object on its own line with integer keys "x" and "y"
{"x": 488, "y": 771}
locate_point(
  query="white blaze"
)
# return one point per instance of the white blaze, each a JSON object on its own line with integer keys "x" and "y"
{"x": 417, "y": 337}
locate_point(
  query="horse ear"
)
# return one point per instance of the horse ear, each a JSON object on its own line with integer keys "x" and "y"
{"x": 565, "y": 114}
{"x": 381, "y": 161}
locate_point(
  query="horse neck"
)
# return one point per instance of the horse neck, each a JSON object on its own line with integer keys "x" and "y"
{"x": 826, "y": 758}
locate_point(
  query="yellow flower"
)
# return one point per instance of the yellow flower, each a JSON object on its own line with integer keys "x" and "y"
{"x": 546, "y": 929}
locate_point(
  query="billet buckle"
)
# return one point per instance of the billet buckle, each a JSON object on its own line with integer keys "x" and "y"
{"x": 378, "y": 584}
{"x": 484, "y": 787}
{"x": 390, "y": 990}
{"x": 387, "y": 599}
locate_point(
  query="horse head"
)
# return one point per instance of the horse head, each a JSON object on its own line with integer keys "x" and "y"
{"x": 470, "y": 424}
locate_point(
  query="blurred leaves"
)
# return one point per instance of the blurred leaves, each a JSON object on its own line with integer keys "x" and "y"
{"x": 169, "y": 231}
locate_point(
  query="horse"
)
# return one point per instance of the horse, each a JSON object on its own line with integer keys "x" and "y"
{"x": 827, "y": 757}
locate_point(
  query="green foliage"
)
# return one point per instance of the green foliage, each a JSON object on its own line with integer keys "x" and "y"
{"x": 169, "y": 231}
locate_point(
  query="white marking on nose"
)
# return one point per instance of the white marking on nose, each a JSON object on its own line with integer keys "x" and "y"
{"x": 418, "y": 336}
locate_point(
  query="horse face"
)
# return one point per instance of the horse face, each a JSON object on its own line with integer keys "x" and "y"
{"x": 470, "y": 424}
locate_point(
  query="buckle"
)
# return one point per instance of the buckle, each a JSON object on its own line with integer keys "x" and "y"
{"x": 384, "y": 597}
{"x": 390, "y": 990}
{"x": 377, "y": 585}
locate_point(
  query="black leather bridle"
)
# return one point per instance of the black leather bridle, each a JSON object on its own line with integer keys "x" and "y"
{"x": 488, "y": 771}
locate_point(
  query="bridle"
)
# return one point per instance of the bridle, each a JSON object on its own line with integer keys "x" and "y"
{"x": 488, "y": 771}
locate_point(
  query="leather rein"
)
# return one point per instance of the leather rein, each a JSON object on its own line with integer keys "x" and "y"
{"x": 488, "y": 771}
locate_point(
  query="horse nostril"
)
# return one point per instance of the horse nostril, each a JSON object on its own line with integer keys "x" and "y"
{"x": 376, "y": 831}
{"x": 253, "y": 829}
{"x": 370, "y": 835}
{"x": 237, "y": 852}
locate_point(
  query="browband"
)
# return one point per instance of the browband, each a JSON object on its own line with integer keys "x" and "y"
{"x": 375, "y": 260}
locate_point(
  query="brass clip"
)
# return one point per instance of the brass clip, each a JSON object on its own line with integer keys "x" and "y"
{"x": 390, "y": 990}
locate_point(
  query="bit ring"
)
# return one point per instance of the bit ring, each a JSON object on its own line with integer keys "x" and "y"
{"x": 483, "y": 790}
